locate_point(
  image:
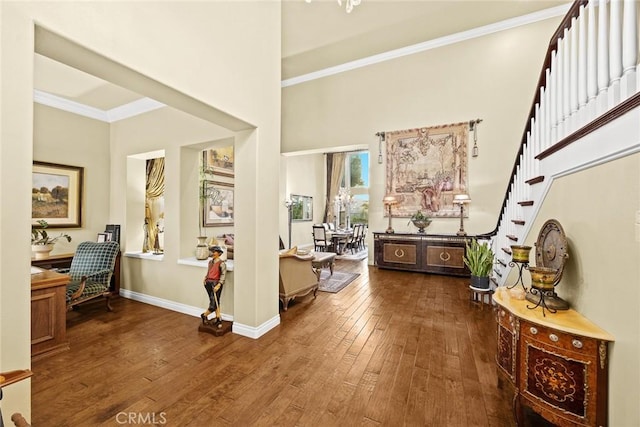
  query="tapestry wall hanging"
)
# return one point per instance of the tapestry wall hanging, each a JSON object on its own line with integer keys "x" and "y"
{"x": 426, "y": 168}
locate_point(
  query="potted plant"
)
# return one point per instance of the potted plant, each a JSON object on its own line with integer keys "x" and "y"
{"x": 479, "y": 258}
{"x": 41, "y": 242}
{"x": 420, "y": 220}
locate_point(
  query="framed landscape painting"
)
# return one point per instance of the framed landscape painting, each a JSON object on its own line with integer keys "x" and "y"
{"x": 56, "y": 194}
{"x": 218, "y": 204}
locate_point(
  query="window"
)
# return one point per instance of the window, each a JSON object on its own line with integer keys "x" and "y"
{"x": 356, "y": 175}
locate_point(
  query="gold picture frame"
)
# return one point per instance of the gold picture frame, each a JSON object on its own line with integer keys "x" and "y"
{"x": 218, "y": 208}
{"x": 56, "y": 194}
{"x": 219, "y": 161}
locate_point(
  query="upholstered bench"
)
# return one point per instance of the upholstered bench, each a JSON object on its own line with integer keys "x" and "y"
{"x": 323, "y": 260}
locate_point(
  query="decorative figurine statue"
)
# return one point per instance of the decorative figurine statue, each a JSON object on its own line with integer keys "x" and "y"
{"x": 213, "y": 283}
{"x": 145, "y": 242}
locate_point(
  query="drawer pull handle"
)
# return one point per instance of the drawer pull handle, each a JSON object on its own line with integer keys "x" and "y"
{"x": 553, "y": 337}
{"x": 533, "y": 330}
{"x": 445, "y": 259}
{"x": 577, "y": 343}
{"x": 399, "y": 253}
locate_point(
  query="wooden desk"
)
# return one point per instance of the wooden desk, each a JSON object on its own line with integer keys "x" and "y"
{"x": 48, "y": 314}
{"x": 64, "y": 261}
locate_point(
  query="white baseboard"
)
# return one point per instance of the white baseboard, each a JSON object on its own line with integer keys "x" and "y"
{"x": 237, "y": 328}
{"x": 166, "y": 304}
{"x": 257, "y": 331}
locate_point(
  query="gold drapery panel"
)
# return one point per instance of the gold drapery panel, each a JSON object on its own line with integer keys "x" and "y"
{"x": 154, "y": 203}
{"x": 335, "y": 172}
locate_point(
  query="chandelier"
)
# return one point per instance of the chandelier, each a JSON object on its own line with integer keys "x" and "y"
{"x": 349, "y": 4}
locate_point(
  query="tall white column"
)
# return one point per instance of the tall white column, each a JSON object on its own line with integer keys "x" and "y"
{"x": 603, "y": 56}
{"x": 615, "y": 41}
{"x": 560, "y": 90}
{"x": 566, "y": 81}
{"x": 582, "y": 58}
{"x": 629, "y": 48}
{"x": 592, "y": 58}
{"x": 573, "y": 76}
{"x": 553, "y": 101}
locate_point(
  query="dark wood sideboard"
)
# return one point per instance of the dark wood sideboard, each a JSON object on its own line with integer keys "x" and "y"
{"x": 63, "y": 261}
{"x": 557, "y": 363}
{"x": 427, "y": 253}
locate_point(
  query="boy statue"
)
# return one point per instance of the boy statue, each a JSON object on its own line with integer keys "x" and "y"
{"x": 213, "y": 282}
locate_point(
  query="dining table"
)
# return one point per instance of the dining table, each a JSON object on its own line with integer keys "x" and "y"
{"x": 339, "y": 238}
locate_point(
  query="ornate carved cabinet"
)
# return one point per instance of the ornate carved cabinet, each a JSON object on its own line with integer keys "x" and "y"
{"x": 558, "y": 363}
{"x": 429, "y": 253}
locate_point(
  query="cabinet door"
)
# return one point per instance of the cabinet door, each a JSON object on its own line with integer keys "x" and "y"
{"x": 398, "y": 254}
{"x": 507, "y": 343}
{"x": 558, "y": 375}
{"x": 448, "y": 259}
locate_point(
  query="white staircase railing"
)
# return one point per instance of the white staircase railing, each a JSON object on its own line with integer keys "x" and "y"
{"x": 590, "y": 78}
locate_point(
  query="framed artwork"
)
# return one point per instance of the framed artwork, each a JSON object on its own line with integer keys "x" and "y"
{"x": 426, "y": 168}
{"x": 301, "y": 208}
{"x": 219, "y": 161}
{"x": 102, "y": 237}
{"x": 56, "y": 194}
{"x": 218, "y": 204}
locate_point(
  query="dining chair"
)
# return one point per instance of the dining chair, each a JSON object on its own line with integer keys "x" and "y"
{"x": 320, "y": 241}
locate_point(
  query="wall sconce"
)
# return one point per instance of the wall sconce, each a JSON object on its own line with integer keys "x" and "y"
{"x": 389, "y": 201}
{"x": 473, "y": 127}
{"x": 461, "y": 199}
{"x": 380, "y": 136}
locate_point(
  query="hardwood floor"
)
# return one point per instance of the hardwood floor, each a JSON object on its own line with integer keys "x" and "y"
{"x": 391, "y": 349}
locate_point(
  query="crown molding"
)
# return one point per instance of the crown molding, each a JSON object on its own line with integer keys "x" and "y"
{"x": 431, "y": 44}
{"x": 55, "y": 101}
{"x": 134, "y": 108}
{"x": 122, "y": 112}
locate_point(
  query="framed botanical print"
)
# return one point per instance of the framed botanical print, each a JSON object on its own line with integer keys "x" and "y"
{"x": 56, "y": 194}
{"x": 218, "y": 204}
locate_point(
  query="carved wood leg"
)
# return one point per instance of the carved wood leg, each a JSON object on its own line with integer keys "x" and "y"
{"x": 517, "y": 409}
{"x": 108, "y": 299}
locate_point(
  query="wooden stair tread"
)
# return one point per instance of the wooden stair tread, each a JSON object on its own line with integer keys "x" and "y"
{"x": 518, "y": 221}
{"x": 507, "y": 250}
{"x": 497, "y": 272}
{"x": 502, "y": 263}
{"x": 526, "y": 203}
{"x": 512, "y": 237}
{"x": 535, "y": 180}
{"x": 495, "y": 282}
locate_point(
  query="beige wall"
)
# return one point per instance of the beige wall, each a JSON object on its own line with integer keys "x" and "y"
{"x": 305, "y": 176}
{"x": 70, "y": 139}
{"x": 211, "y": 54}
{"x": 491, "y": 78}
{"x": 596, "y": 209}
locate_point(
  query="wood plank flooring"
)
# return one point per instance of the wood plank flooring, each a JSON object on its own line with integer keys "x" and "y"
{"x": 391, "y": 349}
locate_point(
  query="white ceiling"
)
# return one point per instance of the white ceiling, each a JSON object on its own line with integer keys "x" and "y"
{"x": 315, "y": 36}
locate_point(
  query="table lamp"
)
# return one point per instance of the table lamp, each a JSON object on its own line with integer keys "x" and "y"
{"x": 389, "y": 201}
{"x": 461, "y": 199}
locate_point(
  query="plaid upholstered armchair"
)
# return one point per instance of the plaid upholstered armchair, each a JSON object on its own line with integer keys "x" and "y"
{"x": 91, "y": 270}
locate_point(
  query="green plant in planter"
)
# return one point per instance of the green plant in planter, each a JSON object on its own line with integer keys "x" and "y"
{"x": 39, "y": 236}
{"x": 420, "y": 220}
{"x": 479, "y": 258}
